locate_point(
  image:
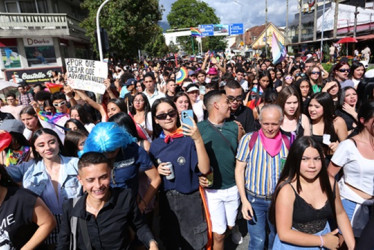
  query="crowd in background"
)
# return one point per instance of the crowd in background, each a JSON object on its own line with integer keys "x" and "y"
{"x": 235, "y": 138}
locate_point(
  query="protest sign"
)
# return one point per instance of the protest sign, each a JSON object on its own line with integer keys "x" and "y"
{"x": 86, "y": 75}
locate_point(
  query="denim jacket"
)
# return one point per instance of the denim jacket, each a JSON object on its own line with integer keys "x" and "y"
{"x": 34, "y": 176}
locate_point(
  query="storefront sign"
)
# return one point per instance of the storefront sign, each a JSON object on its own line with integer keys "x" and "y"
{"x": 86, "y": 75}
{"x": 31, "y": 76}
{"x": 36, "y": 42}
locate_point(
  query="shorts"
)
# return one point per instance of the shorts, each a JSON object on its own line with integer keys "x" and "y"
{"x": 223, "y": 207}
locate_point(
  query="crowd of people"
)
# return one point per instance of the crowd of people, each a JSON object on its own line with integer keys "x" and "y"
{"x": 162, "y": 161}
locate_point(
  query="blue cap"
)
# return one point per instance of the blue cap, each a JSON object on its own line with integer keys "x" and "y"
{"x": 130, "y": 81}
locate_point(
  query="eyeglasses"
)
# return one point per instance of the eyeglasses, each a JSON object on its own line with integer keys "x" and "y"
{"x": 288, "y": 78}
{"x": 344, "y": 70}
{"x": 171, "y": 114}
{"x": 315, "y": 73}
{"x": 235, "y": 98}
{"x": 59, "y": 104}
{"x": 300, "y": 74}
{"x": 10, "y": 99}
{"x": 139, "y": 100}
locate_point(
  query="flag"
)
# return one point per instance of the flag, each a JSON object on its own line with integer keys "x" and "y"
{"x": 181, "y": 75}
{"x": 195, "y": 32}
{"x": 278, "y": 50}
{"x": 146, "y": 65}
{"x": 54, "y": 87}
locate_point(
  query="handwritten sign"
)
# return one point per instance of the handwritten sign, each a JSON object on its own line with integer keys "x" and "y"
{"x": 86, "y": 75}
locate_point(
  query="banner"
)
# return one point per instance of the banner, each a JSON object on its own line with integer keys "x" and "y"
{"x": 86, "y": 75}
{"x": 31, "y": 76}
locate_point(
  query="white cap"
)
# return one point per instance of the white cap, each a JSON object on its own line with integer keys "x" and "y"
{"x": 369, "y": 73}
{"x": 192, "y": 89}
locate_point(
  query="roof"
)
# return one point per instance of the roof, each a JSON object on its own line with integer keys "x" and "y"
{"x": 254, "y": 31}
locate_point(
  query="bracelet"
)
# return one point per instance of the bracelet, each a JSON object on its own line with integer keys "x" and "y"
{"x": 322, "y": 243}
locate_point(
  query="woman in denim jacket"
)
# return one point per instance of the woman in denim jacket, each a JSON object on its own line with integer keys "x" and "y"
{"x": 50, "y": 175}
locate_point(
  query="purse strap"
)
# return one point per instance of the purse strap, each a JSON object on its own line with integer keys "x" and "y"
{"x": 85, "y": 236}
{"x": 222, "y": 136}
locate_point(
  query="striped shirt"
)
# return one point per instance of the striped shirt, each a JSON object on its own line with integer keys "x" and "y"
{"x": 262, "y": 171}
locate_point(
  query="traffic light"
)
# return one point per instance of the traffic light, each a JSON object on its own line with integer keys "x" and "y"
{"x": 104, "y": 40}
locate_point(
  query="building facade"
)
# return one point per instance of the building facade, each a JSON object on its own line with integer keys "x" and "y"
{"x": 36, "y": 36}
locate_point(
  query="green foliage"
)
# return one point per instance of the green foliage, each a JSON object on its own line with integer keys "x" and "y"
{"x": 130, "y": 24}
{"x": 173, "y": 48}
{"x": 192, "y": 13}
{"x": 157, "y": 47}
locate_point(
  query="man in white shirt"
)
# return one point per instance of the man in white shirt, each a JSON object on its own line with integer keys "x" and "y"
{"x": 150, "y": 89}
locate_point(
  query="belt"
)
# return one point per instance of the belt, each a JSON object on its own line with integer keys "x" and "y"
{"x": 265, "y": 197}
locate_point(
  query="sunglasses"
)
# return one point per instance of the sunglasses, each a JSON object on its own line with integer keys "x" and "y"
{"x": 315, "y": 72}
{"x": 344, "y": 70}
{"x": 59, "y": 104}
{"x": 235, "y": 98}
{"x": 288, "y": 77}
{"x": 171, "y": 114}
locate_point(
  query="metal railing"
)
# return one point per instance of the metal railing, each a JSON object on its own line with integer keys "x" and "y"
{"x": 38, "y": 21}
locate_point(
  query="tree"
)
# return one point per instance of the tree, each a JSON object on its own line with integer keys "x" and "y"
{"x": 157, "y": 46}
{"x": 191, "y": 13}
{"x": 130, "y": 24}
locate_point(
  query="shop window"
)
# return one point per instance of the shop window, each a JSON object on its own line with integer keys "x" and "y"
{"x": 40, "y": 56}
{"x": 26, "y": 6}
{"x": 10, "y": 57}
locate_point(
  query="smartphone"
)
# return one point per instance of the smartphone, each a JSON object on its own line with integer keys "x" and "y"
{"x": 187, "y": 117}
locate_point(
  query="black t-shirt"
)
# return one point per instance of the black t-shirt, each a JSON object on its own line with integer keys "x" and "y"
{"x": 244, "y": 115}
{"x": 5, "y": 116}
{"x": 16, "y": 213}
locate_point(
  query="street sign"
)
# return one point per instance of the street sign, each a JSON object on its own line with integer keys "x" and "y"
{"x": 207, "y": 29}
{"x": 236, "y": 29}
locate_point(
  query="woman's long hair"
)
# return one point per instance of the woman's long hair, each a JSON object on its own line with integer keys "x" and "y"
{"x": 287, "y": 92}
{"x": 291, "y": 172}
{"x": 325, "y": 100}
{"x": 156, "y": 127}
{"x": 6, "y": 180}
{"x": 40, "y": 132}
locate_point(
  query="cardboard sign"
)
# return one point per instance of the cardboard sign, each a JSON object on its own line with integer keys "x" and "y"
{"x": 86, "y": 75}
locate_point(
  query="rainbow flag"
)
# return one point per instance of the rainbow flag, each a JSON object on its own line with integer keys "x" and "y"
{"x": 181, "y": 75}
{"x": 146, "y": 65}
{"x": 278, "y": 50}
{"x": 195, "y": 32}
{"x": 54, "y": 87}
{"x": 51, "y": 118}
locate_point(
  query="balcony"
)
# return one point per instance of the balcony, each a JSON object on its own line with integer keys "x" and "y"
{"x": 18, "y": 25}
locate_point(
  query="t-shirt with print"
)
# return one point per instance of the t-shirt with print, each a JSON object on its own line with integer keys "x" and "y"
{"x": 16, "y": 214}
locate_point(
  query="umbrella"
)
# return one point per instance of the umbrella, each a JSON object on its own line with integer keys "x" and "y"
{"x": 7, "y": 84}
{"x": 348, "y": 40}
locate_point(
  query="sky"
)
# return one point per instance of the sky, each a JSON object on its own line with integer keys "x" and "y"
{"x": 248, "y": 12}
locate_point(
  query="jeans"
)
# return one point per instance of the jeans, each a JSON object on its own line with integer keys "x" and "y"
{"x": 182, "y": 218}
{"x": 257, "y": 226}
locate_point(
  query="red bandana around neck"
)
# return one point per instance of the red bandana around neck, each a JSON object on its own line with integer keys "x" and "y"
{"x": 176, "y": 134}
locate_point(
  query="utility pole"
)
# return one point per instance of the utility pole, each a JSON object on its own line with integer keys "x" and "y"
{"x": 322, "y": 27}
{"x": 336, "y": 14}
{"x": 98, "y": 30}
{"x": 300, "y": 7}
{"x": 286, "y": 40}
{"x": 315, "y": 21}
{"x": 355, "y": 25}
{"x": 266, "y": 26}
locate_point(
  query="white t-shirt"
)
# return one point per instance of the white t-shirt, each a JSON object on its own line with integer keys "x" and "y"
{"x": 358, "y": 171}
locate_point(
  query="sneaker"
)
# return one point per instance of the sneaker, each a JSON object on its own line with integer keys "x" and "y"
{"x": 236, "y": 236}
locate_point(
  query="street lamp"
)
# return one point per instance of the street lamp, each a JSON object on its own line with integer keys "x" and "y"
{"x": 98, "y": 33}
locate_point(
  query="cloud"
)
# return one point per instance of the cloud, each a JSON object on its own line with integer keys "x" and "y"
{"x": 249, "y": 12}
